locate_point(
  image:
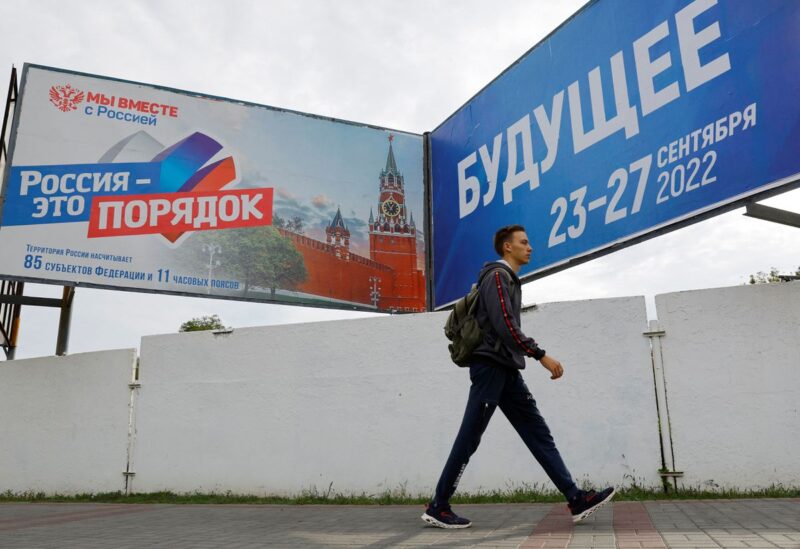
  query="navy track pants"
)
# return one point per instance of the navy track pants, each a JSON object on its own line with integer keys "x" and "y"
{"x": 494, "y": 386}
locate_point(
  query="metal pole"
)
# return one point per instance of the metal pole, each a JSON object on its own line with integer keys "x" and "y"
{"x": 667, "y": 471}
{"x": 13, "y": 330}
{"x": 64, "y": 321}
{"x": 10, "y": 98}
{"x": 427, "y": 181}
{"x": 15, "y": 320}
{"x": 776, "y": 215}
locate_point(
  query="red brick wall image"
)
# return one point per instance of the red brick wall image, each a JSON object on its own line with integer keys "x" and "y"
{"x": 390, "y": 278}
{"x": 348, "y": 277}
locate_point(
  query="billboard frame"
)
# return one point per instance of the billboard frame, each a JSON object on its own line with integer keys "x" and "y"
{"x": 322, "y": 303}
{"x": 428, "y": 204}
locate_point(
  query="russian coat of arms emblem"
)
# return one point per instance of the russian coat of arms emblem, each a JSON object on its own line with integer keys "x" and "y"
{"x": 65, "y": 98}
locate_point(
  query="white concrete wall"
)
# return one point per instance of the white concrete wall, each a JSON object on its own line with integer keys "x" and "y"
{"x": 373, "y": 404}
{"x": 602, "y": 412}
{"x": 64, "y": 422}
{"x": 732, "y": 367}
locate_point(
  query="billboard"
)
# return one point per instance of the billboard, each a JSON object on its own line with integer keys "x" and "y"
{"x": 125, "y": 185}
{"x": 630, "y": 119}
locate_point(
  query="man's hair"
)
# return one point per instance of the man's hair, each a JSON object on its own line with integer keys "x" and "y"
{"x": 503, "y": 235}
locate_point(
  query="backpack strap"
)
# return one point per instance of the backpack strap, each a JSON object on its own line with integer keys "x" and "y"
{"x": 512, "y": 286}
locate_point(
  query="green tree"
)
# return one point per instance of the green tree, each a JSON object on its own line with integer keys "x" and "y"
{"x": 773, "y": 276}
{"x": 255, "y": 256}
{"x": 260, "y": 256}
{"x": 200, "y": 323}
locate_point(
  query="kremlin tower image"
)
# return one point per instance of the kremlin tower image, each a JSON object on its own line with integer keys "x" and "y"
{"x": 389, "y": 279}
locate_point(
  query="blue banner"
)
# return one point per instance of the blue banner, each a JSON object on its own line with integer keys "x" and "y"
{"x": 63, "y": 193}
{"x": 632, "y": 117}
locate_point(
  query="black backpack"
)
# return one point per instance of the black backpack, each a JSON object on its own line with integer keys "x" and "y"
{"x": 462, "y": 326}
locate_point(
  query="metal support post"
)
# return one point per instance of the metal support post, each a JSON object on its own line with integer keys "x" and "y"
{"x": 64, "y": 321}
{"x": 776, "y": 215}
{"x": 10, "y": 294}
{"x": 15, "y": 320}
{"x": 662, "y": 408}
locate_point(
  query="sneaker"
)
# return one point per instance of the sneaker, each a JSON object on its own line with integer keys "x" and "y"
{"x": 587, "y": 503}
{"x": 444, "y": 517}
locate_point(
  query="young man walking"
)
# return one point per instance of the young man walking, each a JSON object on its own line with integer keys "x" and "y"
{"x": 496, "y": 381}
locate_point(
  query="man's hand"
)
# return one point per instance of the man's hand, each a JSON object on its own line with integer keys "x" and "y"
{"x": 553, "y": 366}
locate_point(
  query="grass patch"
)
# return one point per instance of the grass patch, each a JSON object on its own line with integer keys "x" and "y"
{"x": 393, "y": 497}
{"x": 636, "y": 493}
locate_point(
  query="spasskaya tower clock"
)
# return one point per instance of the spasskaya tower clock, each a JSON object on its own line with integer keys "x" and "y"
{"x": 393, "y": 239}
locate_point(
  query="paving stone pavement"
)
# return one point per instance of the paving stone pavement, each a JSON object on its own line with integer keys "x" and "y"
{"x": 724, "y": 524}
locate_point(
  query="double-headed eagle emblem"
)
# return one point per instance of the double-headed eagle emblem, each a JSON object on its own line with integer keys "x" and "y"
{"x": 65, "y": 98}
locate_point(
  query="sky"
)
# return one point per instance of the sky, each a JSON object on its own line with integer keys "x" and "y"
{"x": 402, "y": 65}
